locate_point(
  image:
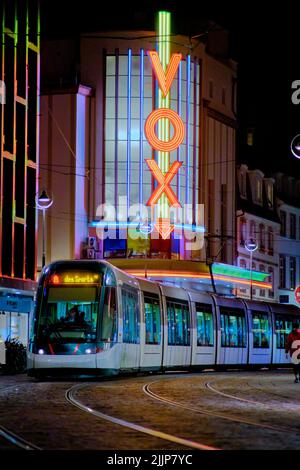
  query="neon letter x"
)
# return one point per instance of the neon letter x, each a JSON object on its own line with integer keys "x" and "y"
{"x": 164, "y": 181}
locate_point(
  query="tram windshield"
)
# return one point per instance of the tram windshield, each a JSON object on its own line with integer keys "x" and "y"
{"x": 69, "y": 314}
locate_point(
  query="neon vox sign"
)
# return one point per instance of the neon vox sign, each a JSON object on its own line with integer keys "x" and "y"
{"x": 161, "y": 118}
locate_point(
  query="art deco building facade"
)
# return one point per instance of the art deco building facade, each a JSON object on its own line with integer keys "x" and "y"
{"x": 19, "y": 149}
{"x": 96, "y": 102}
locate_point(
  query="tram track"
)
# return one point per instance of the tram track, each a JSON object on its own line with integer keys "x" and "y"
{"x": 70, "y": 397}
{"x": 269, "y": 406}
{"x": 167, "y": 401}
{"x": 10, "y": 436}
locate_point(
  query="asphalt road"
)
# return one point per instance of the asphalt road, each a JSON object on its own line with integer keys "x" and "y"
{"x": 178, "y": 411}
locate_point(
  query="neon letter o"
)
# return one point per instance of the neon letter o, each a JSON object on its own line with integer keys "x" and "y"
{"x": 177, "y": 123}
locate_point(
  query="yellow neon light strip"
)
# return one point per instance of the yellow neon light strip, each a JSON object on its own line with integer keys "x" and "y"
{"x": 164, "y": 31}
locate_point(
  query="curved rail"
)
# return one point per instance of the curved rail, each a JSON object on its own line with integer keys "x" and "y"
{"x": 152, "y": 432}
{"x": 167, "y": 401}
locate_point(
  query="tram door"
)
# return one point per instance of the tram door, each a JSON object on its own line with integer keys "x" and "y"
{"x": 151, "y": 331}
{"x": 130, "y": 357}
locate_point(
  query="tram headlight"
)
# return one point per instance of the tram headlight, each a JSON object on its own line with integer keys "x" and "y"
{"x": 41, "y": 351}
{"x": 88, "y": 351}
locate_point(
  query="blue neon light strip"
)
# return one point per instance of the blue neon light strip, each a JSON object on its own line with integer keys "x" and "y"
{"x": 141, "y": 124}
{"x": 116, "y": 224}
{"x": 128, "y": 128}
{"x": 187, "y": 172}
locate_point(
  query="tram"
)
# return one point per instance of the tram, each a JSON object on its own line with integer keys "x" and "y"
{"x": 91, "y": 318}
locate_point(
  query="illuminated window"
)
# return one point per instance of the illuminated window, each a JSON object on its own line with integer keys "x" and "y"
{"x": 129, "y": 101}
{"x": 178, "y": 324}
{"x": 283, "y": 327}
{"x": 205, "y": 325}
{"x": 261, "y": 331}
{"x": 233, "y": 328}
{"x": 152, "y": 319}
{"x": 250, "y": 137}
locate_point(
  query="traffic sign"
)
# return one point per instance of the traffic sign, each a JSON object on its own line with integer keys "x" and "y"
{"x": 297, "y": 294}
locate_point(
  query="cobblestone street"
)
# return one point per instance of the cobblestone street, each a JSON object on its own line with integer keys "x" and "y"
{"x": 233, "y": 410}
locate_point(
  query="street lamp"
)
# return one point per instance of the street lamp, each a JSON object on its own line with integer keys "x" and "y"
{"x": 251, "y": 245}
{"x": 43, "y": 202}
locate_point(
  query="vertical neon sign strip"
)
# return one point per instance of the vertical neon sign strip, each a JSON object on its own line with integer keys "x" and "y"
{"x": 116, "y": 129}
{"x": 188, "y": 85}
{"x": 128, "y": 128}
{"x": 194, "y": 142}
{"x": 179, "y": 112}
{"x": 164, "y": 31}
{"x": 141, "y": 123}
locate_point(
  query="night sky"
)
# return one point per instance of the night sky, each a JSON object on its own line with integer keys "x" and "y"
{"x": 264, "y": 42}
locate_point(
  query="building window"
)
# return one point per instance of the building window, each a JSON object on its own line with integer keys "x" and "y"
{"x": 292, "y": 272}
{"x": 293, "y": 226}
{"x": 270, "y": 241}
{"x": 243, "y": 264}
{"x": 243, "y": 191}
{"x": 283, "y": 223}
{"x": 253, "y": 230}
{"x": 270, "y": 194}
{"x": 243, "y": 230}
{"x": 282, "y": 272}
{"x": 259, "y": 191}
{"x": 211, "y": 89}
{"x": 261, "y": 237}
{"x": 271, "y": 280}
{"x": 250, "y": 137}
{"x": 262, "y": 292}
{"x": 224, "y": 96}
{"x": 253, "y": 269}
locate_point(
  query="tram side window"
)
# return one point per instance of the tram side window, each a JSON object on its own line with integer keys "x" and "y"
{"x": 205, "y": 326}
{"x": 152, "y": 320}
{"x": 131, "y": 316}
{"x": 260, "y": 330}
{"x": 178, "y": 324}
{"x": 283, "y": 326}
{"x": 233, "y": 329}
{"x": 108, "y": 323}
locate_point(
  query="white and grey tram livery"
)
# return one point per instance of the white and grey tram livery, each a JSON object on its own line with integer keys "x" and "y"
{"x": 120, "y": 323}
